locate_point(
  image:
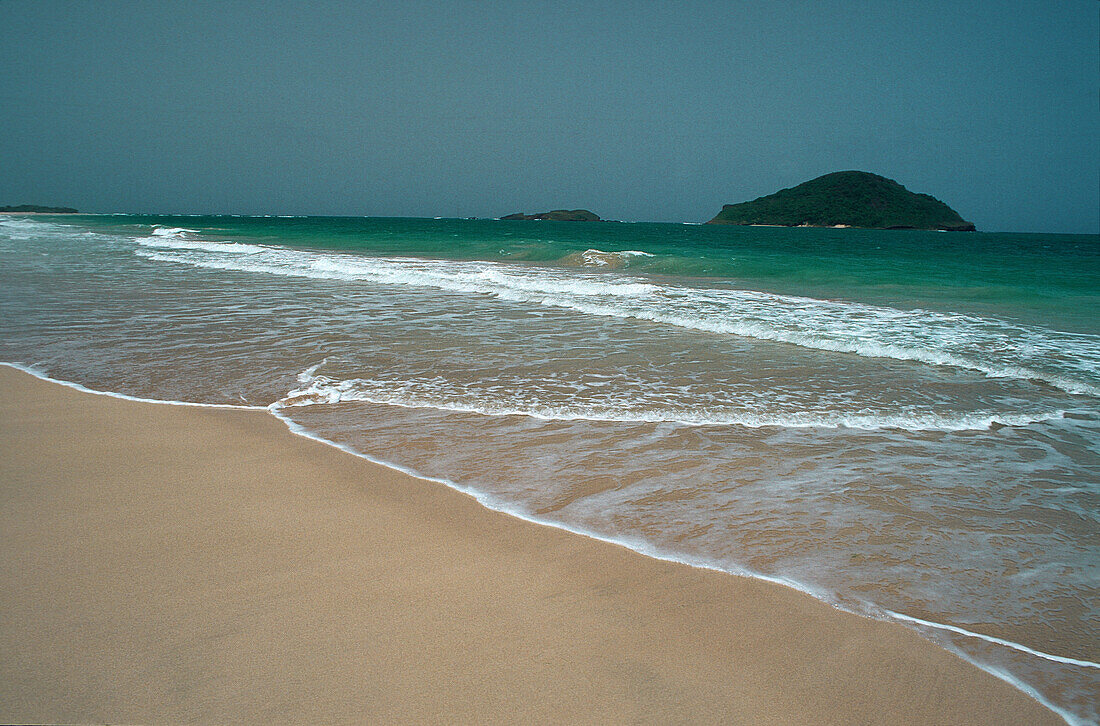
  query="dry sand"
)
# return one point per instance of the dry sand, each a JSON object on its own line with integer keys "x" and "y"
{"x": 167, "y": 564}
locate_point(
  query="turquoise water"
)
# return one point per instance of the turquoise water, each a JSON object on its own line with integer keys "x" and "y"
{"x": 902, "y": 423}
{"x": 1037, "y": 278}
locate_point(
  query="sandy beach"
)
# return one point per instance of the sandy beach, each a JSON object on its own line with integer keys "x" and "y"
{"x": 168, "y": 564}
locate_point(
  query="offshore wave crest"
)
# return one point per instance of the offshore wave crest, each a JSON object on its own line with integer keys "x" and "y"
{"x": 993, "y": 347}
{"x": 176, "y": 238}
{"x": 600, "y": 258}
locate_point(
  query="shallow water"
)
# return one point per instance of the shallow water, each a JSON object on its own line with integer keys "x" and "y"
{"x": 898, "y": 422}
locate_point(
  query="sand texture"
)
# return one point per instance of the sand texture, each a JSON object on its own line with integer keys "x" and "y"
{"x": 166, "y": 564}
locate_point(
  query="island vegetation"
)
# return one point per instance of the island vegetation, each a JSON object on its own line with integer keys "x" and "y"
{"x": 557, "y": 215}
{"x": 36, "y": 209}
{"x": 846, "y": 199}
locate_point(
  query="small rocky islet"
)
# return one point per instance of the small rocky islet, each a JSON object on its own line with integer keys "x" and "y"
{"x": 846, "y": 199}
{"x": 36, "y": 209}
{"x": 557, "y": 215}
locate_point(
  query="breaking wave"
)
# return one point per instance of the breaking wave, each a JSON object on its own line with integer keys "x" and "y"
{"x": 993, "y": 347}
{"x": 176, "y": 238}
{"x": 599, "y": 258}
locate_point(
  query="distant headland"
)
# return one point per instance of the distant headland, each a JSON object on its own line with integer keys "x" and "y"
{"x": 557, "y": 215}
{"x": 846, "y": 199}
{"x": 36, "y": 209}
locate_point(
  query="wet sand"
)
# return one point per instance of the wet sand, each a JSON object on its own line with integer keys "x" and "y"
{"x": 179, "y": 564}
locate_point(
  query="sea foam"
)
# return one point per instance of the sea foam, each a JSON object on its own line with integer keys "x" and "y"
{"x": 177, "y": 238}
{"x": 318, "y": 389}
{"x": 993, "y": 347}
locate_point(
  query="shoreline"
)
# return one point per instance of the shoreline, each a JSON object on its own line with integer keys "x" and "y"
{"x": 662, "y": 596}
{"x": 640, "y": 547}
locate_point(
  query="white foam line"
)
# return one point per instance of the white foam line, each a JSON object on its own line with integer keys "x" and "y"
{"x": 491, "y": 503}
{"x": 978, "y": 422}
{"x": 111, "y": 394}
{"x": 1069, "y": 718}
{"x": 641, "y": 547}
{"x": 332, "y": 391}
{"x": 647, "y": 550}
{"x": 998, "y": 641}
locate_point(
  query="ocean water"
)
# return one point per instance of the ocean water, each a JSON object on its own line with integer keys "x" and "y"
{"x": 904, "y": 424}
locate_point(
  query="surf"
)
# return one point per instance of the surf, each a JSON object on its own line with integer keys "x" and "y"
{"x": 992, "y": 347}
{"x": 316, "y": 389}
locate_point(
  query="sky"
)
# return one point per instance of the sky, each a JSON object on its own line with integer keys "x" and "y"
{"x": 640, "y": 111}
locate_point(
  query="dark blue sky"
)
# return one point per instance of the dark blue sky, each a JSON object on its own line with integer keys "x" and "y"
{"x": 636, "y": 110}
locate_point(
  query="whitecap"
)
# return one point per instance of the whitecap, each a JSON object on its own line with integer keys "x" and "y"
{"x": 995, "y": 348}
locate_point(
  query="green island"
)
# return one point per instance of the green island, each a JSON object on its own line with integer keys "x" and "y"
{"x": 846, "y": 199}
{"x": 557, "y": 215}
{"x": 24, "y": 208}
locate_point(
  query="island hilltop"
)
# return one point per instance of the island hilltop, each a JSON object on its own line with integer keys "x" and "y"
{"x": 846, "y": 199}
{"x": 558, "y": 215}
